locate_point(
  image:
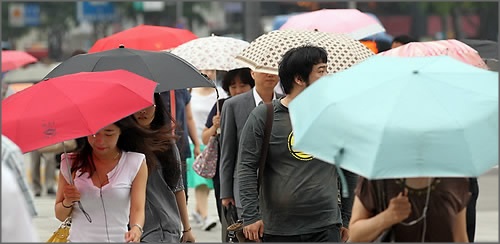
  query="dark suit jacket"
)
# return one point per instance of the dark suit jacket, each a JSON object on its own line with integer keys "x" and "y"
{"x": 235, "y": 112}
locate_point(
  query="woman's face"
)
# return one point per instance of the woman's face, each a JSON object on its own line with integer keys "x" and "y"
{"x": 105, "y": 140}
{"x": 145, "y": 117}
{"x": 238, "y": 87}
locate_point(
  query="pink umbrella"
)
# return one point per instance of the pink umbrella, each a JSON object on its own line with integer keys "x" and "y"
{"x": 12, "y": 59}
{"x": 453, "y": 48}
{"x": 352, "y": 22}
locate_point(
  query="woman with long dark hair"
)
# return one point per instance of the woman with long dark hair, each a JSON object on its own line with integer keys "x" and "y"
{"x": 109, "y": 187}
{"x": 165, "y": 198}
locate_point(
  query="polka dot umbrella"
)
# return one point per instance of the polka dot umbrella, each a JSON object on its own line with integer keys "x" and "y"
{"x": 265, "y": 52}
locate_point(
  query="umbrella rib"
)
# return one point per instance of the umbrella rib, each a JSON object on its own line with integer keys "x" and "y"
{"x": 71, "y": 99}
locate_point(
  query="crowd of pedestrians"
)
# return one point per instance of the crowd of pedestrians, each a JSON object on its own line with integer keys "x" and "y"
{"x": 128, "y": 182}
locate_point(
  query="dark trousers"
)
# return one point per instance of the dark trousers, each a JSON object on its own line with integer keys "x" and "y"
{"x": 218, "y": 201}
{"x": 332, "y": 234}
{"x": 471, "y": 209}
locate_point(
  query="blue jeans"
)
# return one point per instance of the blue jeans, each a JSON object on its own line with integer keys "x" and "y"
{"x": 332, "y": 234}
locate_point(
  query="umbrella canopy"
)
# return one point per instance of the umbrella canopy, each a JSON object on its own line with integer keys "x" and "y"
{"x": 72, "y": 106}
{"x": 212, "y": 53}
{"x": 352, "y": 22}
{"x": 12, "y": 59}
{"x": 31, "y": 74}
{"x": 265, "y": 52}
{"x": 145, "y": 37}
{"x": 487, "y": 49}
{"x": 453, "y": 48}
{"x": 170, "y": 71}
{"x": 391, "y": 117}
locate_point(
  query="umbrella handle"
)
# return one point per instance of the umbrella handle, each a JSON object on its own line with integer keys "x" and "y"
{"x": 343, "y": 181}
{"x": 345, "y": 187}
{"x": 71, "y": 182}
{"x": 67, "y": 165}
{"x": 217, "y": 107}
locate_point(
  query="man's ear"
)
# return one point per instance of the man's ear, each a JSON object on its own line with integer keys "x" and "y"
{"x": 252, "y": 73}
{"x": 298, "y": 80}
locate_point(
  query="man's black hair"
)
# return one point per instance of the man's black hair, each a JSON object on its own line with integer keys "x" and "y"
{"x": 299, "y": 62}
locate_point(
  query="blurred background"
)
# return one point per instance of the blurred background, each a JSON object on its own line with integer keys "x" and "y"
{"x": 51, "y": 31}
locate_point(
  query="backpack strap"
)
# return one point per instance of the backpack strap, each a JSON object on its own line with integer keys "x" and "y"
{"x": 265, "y": 144}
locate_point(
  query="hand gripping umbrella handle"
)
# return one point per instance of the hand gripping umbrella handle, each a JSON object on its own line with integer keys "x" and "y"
{"x": 72, "y": 183}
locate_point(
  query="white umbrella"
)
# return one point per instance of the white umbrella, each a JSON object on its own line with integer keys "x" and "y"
{"x": 212, "y": 53}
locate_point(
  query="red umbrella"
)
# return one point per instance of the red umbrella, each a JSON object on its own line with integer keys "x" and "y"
{"x": 12, "y": 59}
{"x": 145, "y": 37}
{"x": 72, "y": 106}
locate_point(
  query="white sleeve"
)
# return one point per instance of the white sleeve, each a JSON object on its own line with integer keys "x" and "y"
{"x": 17, "y": 224}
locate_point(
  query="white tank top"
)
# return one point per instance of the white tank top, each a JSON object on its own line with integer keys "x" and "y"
{"x": 109, "y": 213}
{"x": 201, "y": 106}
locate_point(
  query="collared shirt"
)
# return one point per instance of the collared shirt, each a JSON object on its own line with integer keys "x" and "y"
{"x": 257, "y": 97}
{"x": 14, "y": 160}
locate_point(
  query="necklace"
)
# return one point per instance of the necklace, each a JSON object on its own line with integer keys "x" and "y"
{"x": 106, "y": 180}
{"x": 118, "y": 154}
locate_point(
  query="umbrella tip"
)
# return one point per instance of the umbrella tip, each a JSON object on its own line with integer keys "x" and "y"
{"x": 121, "y": 46}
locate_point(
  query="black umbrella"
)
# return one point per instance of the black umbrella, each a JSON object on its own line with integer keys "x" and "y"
{"x": 170, "y": 71}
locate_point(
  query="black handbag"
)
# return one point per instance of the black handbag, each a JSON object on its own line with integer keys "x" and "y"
{"x": 235, "y": 226}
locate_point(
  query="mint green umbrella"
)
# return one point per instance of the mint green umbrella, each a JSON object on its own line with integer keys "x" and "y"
{"x": 392, "y": 117}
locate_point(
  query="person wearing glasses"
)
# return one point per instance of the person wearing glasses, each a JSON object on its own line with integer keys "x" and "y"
{"x": 415, "y": 210}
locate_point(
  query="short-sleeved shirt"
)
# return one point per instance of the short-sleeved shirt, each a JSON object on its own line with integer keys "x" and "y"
{"x": 182, "y": 98}
{"x": 213, "y": 112}
{"x": 448, "y": 197}
{"x": 162, "y": 222}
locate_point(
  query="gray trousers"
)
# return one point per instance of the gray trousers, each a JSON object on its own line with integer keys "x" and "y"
{"x": 50, "y": 170}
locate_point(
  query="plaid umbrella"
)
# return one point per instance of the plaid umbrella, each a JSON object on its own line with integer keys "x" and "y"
{"x": 212, "y": 53}
{"x": 265, "y": 52}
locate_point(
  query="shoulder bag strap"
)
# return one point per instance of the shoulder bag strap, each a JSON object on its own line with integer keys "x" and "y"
{"x": 265, "y": 144}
